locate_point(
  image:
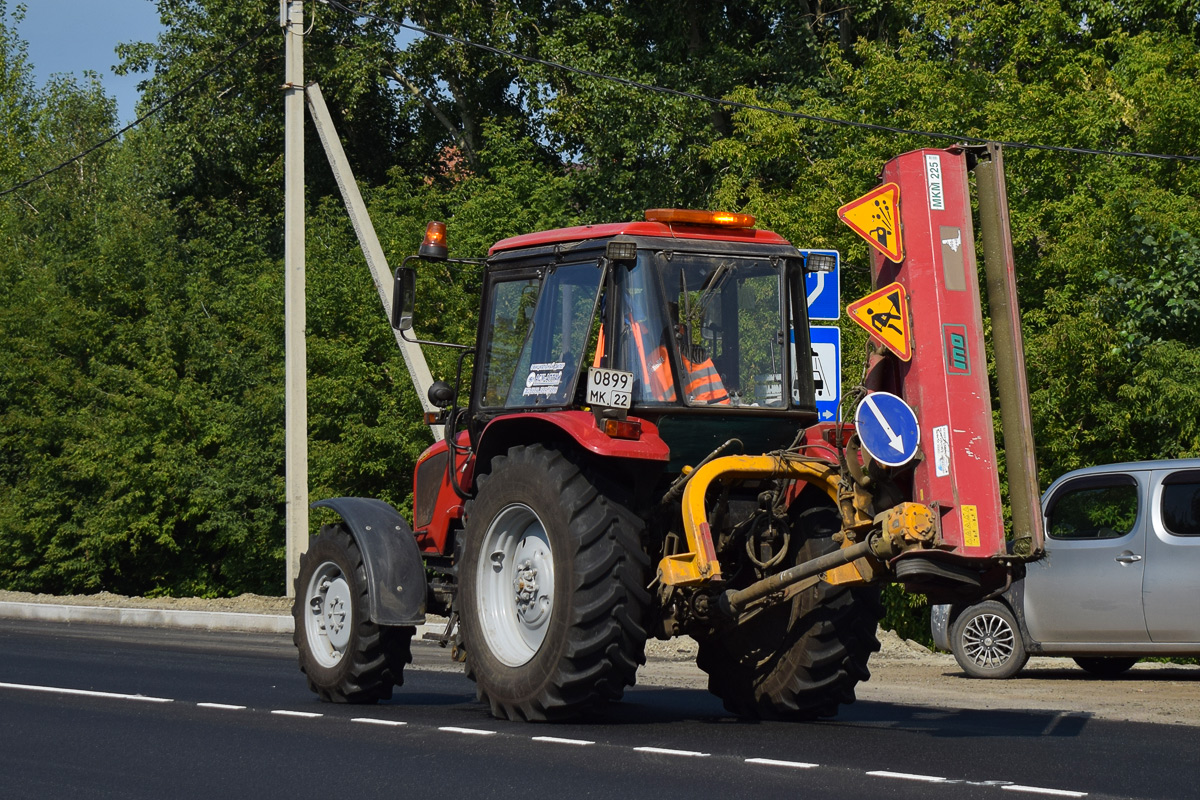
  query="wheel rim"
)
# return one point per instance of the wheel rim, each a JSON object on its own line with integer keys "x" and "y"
{"x": 988, "y": 640}
{"x": 516, "y": 585}
{"x": 330, "y": 615}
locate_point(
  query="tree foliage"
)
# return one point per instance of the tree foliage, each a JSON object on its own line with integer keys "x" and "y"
{"x": 141, "y": 408}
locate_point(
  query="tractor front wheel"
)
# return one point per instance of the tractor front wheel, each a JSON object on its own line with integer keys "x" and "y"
{"x": 346, "y": 656}
{"x": 550, "y": 588}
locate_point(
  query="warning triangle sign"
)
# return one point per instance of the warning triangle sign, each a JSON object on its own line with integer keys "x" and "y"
{"x": 875, "y": 217}
{"x": 884, "y": 314}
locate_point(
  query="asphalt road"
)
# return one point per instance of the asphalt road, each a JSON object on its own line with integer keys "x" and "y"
{"x": 93, "y": 711}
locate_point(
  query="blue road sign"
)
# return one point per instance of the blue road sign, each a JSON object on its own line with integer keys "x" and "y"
{"x": 827, "y": 370}
{"x": 824, "y": 288}
{"x": 888, "y": 428}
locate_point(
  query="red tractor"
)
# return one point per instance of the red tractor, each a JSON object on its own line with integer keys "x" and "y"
{"x": 638, "y": 453}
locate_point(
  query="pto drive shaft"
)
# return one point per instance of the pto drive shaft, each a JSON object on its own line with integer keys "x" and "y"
{"x": 734, "y": 602}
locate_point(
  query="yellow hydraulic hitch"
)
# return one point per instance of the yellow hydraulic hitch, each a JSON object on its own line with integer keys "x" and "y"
{"x": 700, "y": 564}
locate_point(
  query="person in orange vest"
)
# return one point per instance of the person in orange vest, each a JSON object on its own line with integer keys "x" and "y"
{"x": 644, "y": 355}
{"x": 653, "y": 361}
{"x": 703, "y": 383}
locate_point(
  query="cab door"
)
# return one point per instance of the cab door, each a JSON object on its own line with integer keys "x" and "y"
{"x": 1088, "y": 588}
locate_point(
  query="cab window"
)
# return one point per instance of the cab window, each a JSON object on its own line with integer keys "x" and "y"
{"x": 509, "y": 321}
{"x": 539, "y": 332}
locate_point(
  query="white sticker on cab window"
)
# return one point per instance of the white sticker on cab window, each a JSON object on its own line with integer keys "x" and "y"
{"x": 544, "y": 379}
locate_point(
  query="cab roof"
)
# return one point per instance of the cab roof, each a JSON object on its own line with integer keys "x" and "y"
{"x": 656, "y": 229}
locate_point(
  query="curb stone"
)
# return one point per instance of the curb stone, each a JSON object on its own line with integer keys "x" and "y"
{"x": 163, "y": 618}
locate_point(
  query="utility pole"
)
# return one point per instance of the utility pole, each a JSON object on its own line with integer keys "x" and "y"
{"x": 291, "y": 19}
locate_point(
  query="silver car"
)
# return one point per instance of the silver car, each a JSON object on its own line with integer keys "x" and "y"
{"x": 1120, "y": 579}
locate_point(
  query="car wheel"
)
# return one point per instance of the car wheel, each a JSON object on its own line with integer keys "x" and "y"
{"x": 1106, "y": 667}
{"x": 987, "y": 642}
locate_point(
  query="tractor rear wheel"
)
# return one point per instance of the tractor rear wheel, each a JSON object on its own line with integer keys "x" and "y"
{"x": 801, "y": 658}
{"x": 346, "y": 656}
{"x": 551, "y": 591}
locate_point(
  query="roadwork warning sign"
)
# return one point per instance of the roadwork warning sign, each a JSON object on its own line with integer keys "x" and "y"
{"x": 875, "y": 217}
{"x": 884, "y": 315}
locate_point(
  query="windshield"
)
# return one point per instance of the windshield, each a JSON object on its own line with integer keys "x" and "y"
{"x": 704, "y": 330}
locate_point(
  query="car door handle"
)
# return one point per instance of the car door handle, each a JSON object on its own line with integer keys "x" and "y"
{"x": 1128, "y": 558}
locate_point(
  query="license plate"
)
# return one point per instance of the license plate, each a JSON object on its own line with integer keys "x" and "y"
{"x": 611, "y": 388}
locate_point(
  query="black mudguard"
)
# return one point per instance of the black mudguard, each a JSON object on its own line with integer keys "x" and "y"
{"x": 395, "y": 570}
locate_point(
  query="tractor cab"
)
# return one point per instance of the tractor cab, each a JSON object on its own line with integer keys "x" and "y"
{"x": 685, "y": 315}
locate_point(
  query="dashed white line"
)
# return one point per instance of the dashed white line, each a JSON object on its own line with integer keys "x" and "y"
{"x": 773, "y": 762}
{"x": 86, "y": 693}
{"x": 468, "y": 731}
{"x": 668, "y": 752}
{"x": 559, "y": 740}
{"x": 373, "y": 721}
{"x": 905, "y": 776}
{"x": 1013, "y": 787}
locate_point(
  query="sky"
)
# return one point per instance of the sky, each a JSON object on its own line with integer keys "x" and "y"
{"x": 73, "y": 36}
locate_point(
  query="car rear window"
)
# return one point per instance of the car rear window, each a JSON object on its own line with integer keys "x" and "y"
{"x": 1094, "y": 511}
{"x": 1181, "y": 503}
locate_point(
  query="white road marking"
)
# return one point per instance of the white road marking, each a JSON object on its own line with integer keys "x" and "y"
{"x": 85, "y": 693}
{"x": 771, "y": 762}
{"x": 1013, "y": 787}
{"x": 668, "y": 752}
{"x": 469, "y": 731}
{"x": 905, "y": 776}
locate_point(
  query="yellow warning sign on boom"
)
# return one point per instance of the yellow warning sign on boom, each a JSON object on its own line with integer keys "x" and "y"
{"x": 875, "y": 217}
{"x": 884, "y": 314}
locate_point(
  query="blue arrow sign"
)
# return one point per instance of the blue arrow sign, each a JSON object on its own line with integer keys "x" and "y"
{"x": 824, "y": 288}
{"x": 888, "y": 428}
{"x": 827, "y": 370}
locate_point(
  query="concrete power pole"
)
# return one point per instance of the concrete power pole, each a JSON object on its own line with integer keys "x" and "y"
{"x": 291, "y": 18}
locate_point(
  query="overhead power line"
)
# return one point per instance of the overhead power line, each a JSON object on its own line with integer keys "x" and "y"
{"x": 157, "y": 107}
{"x": 649, "y": 87}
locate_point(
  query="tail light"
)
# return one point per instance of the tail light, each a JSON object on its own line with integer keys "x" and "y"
{"x": 621, "y": 428}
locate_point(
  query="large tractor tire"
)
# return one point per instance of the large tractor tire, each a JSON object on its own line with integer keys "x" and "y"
{"x": 551, "y": 591}
{"x": 346, "y": 657}
{"x": 802, "y": 658}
